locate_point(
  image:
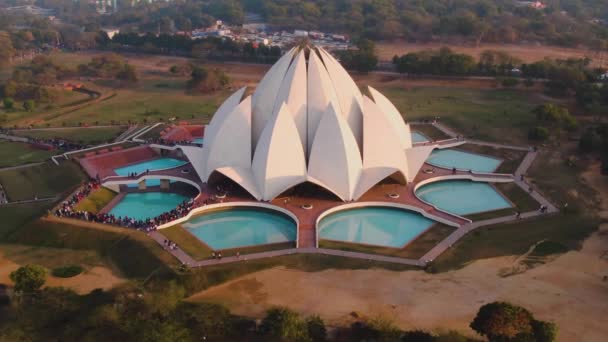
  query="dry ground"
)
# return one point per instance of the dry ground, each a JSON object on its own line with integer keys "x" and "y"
{"x": 96, "y": 277}
{"x": 570, "y": 290}
{"x": 526, "y": 52}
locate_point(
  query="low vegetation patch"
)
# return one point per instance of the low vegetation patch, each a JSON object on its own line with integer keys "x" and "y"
{"x": 414, "y": 250}
{"x": 16, "y": 153}
{"x": 83, "y": 135}
{"x": 568, "y": 230}
{"x": 46, "y": 180}
{"x": 67, "y": 271}
{"x": 96, "y": 201}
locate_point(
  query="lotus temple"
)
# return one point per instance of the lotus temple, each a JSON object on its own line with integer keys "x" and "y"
{"x": 307, "y": 162}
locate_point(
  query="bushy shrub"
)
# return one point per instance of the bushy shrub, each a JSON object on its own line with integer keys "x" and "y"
{"x": 67, "y": 271}
{"x": 538, "y": 133}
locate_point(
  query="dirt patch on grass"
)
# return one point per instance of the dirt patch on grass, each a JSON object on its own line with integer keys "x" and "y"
{"x": 526, "y": 52}
{"x": 97, "y": 277}
{"x": 569, "y": 290}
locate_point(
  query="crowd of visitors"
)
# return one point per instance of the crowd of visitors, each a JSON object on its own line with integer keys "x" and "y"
{"x": 61, "y": 144}
{"x": 161, "y": 141}
{"x": 67, "y": 209}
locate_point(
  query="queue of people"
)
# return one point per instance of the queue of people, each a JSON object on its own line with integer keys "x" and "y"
{"x": 67, "y": 209}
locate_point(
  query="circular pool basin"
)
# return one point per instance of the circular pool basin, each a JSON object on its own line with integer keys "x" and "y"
{"x": 462, "y": 197}
{"x": 241, "y": 227}
{"x": 380, "y": 226}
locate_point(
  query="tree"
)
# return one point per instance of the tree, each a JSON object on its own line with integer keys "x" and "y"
{"x": 418, "y": 336}
{"x": 29, "y": 278}
{"x": 8, "y": 103}
{"x": 127, "y": 73}
{"x": 29, "y": 105}
{"x": 316, "y": 328}
{"x": 6, "y": 48}
{"x": 502, "y": 320}
{"x": 282, "y": 324}
{"x": 544, "y": 331}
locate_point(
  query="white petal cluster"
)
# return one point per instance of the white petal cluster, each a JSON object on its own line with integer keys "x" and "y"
{"x": 307, "y": 121}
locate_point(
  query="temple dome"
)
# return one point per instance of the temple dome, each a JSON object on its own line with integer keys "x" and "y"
{"x": 307, "y": 121}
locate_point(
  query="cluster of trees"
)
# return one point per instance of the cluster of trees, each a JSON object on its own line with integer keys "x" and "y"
{"x": 436, "y": 62}
{"x": 111, "y": 66}
{"x": 501, "y": 321}
{"x": 563, "y": 22}
{"x": 158, "y": 313}
{"x": 362, "y": 59}
{"x": 551, "y": 119}
{"x": 35, "y": 82}
{"x": 206, "y": 48}
{"x": 595, "y": 140}
{"x": 204, "y": 80}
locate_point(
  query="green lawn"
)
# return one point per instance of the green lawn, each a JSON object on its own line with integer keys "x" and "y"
{"x": 414, "y": 250}
{"x": 515, "y": 239}
{"x": 50, "y": 257}
{"x": 139, "y": 103}
{"x": 131, "y": 252}
{"x": 96, "y": 201}
{"x": 202, "y": 278}
{"x": 14, "y": 216}
{"x": 46, "y": 180}
{"x": 490, "y": 114}
{"x": 16, "y": 153}
{"x": 199, "y": 251}
{"x": 81, "y": 134}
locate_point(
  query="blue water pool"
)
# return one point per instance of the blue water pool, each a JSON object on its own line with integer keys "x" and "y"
{"x": 241, "y": 227}
{"x": 155, "y": 164}
{"x": 419, "y": 137}
{"x": 379, "y": 226}
{"x": 141, "y": 206}
{"x": 462, "y": 197}
{"x": 198, "y": 140}
{"x": 462, "y": 160}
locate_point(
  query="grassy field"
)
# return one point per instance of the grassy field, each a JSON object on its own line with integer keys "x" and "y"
{"x": 50, "y": 257}
{"x": 141, "y": 103}
{"x": 486, "y": 114}
{"x": 414, "y": 250}
{"x": 15, "y": 153}
{"x": 515, "y": 239}
{"x": 131, "y": 252}
{"x": 96, "y": 201}
{"x": 46, "y": 180}
{"x": 80, "y": 134}
{"x": 16, "y": 215}
{"x": 200, "y": 251}
{"x": 199, "y": 279}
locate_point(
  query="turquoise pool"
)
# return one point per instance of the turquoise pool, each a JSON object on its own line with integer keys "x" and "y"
{"x": 380, "y": 226}
{"x": 141, "y": 206}
{"x": 462, "y": 160}
{"x": 155, "y": 164}
{"x": 240, "y": 227}
{"x": 462, "y": 197}
{"x": 198, "y": 140}
{"x": 418, "y": 137}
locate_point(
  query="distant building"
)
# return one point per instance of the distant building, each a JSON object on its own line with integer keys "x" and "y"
{"x": 111, "y": 32}
{"x": 300, "y": 33}
{"x": 532, "y": 4}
